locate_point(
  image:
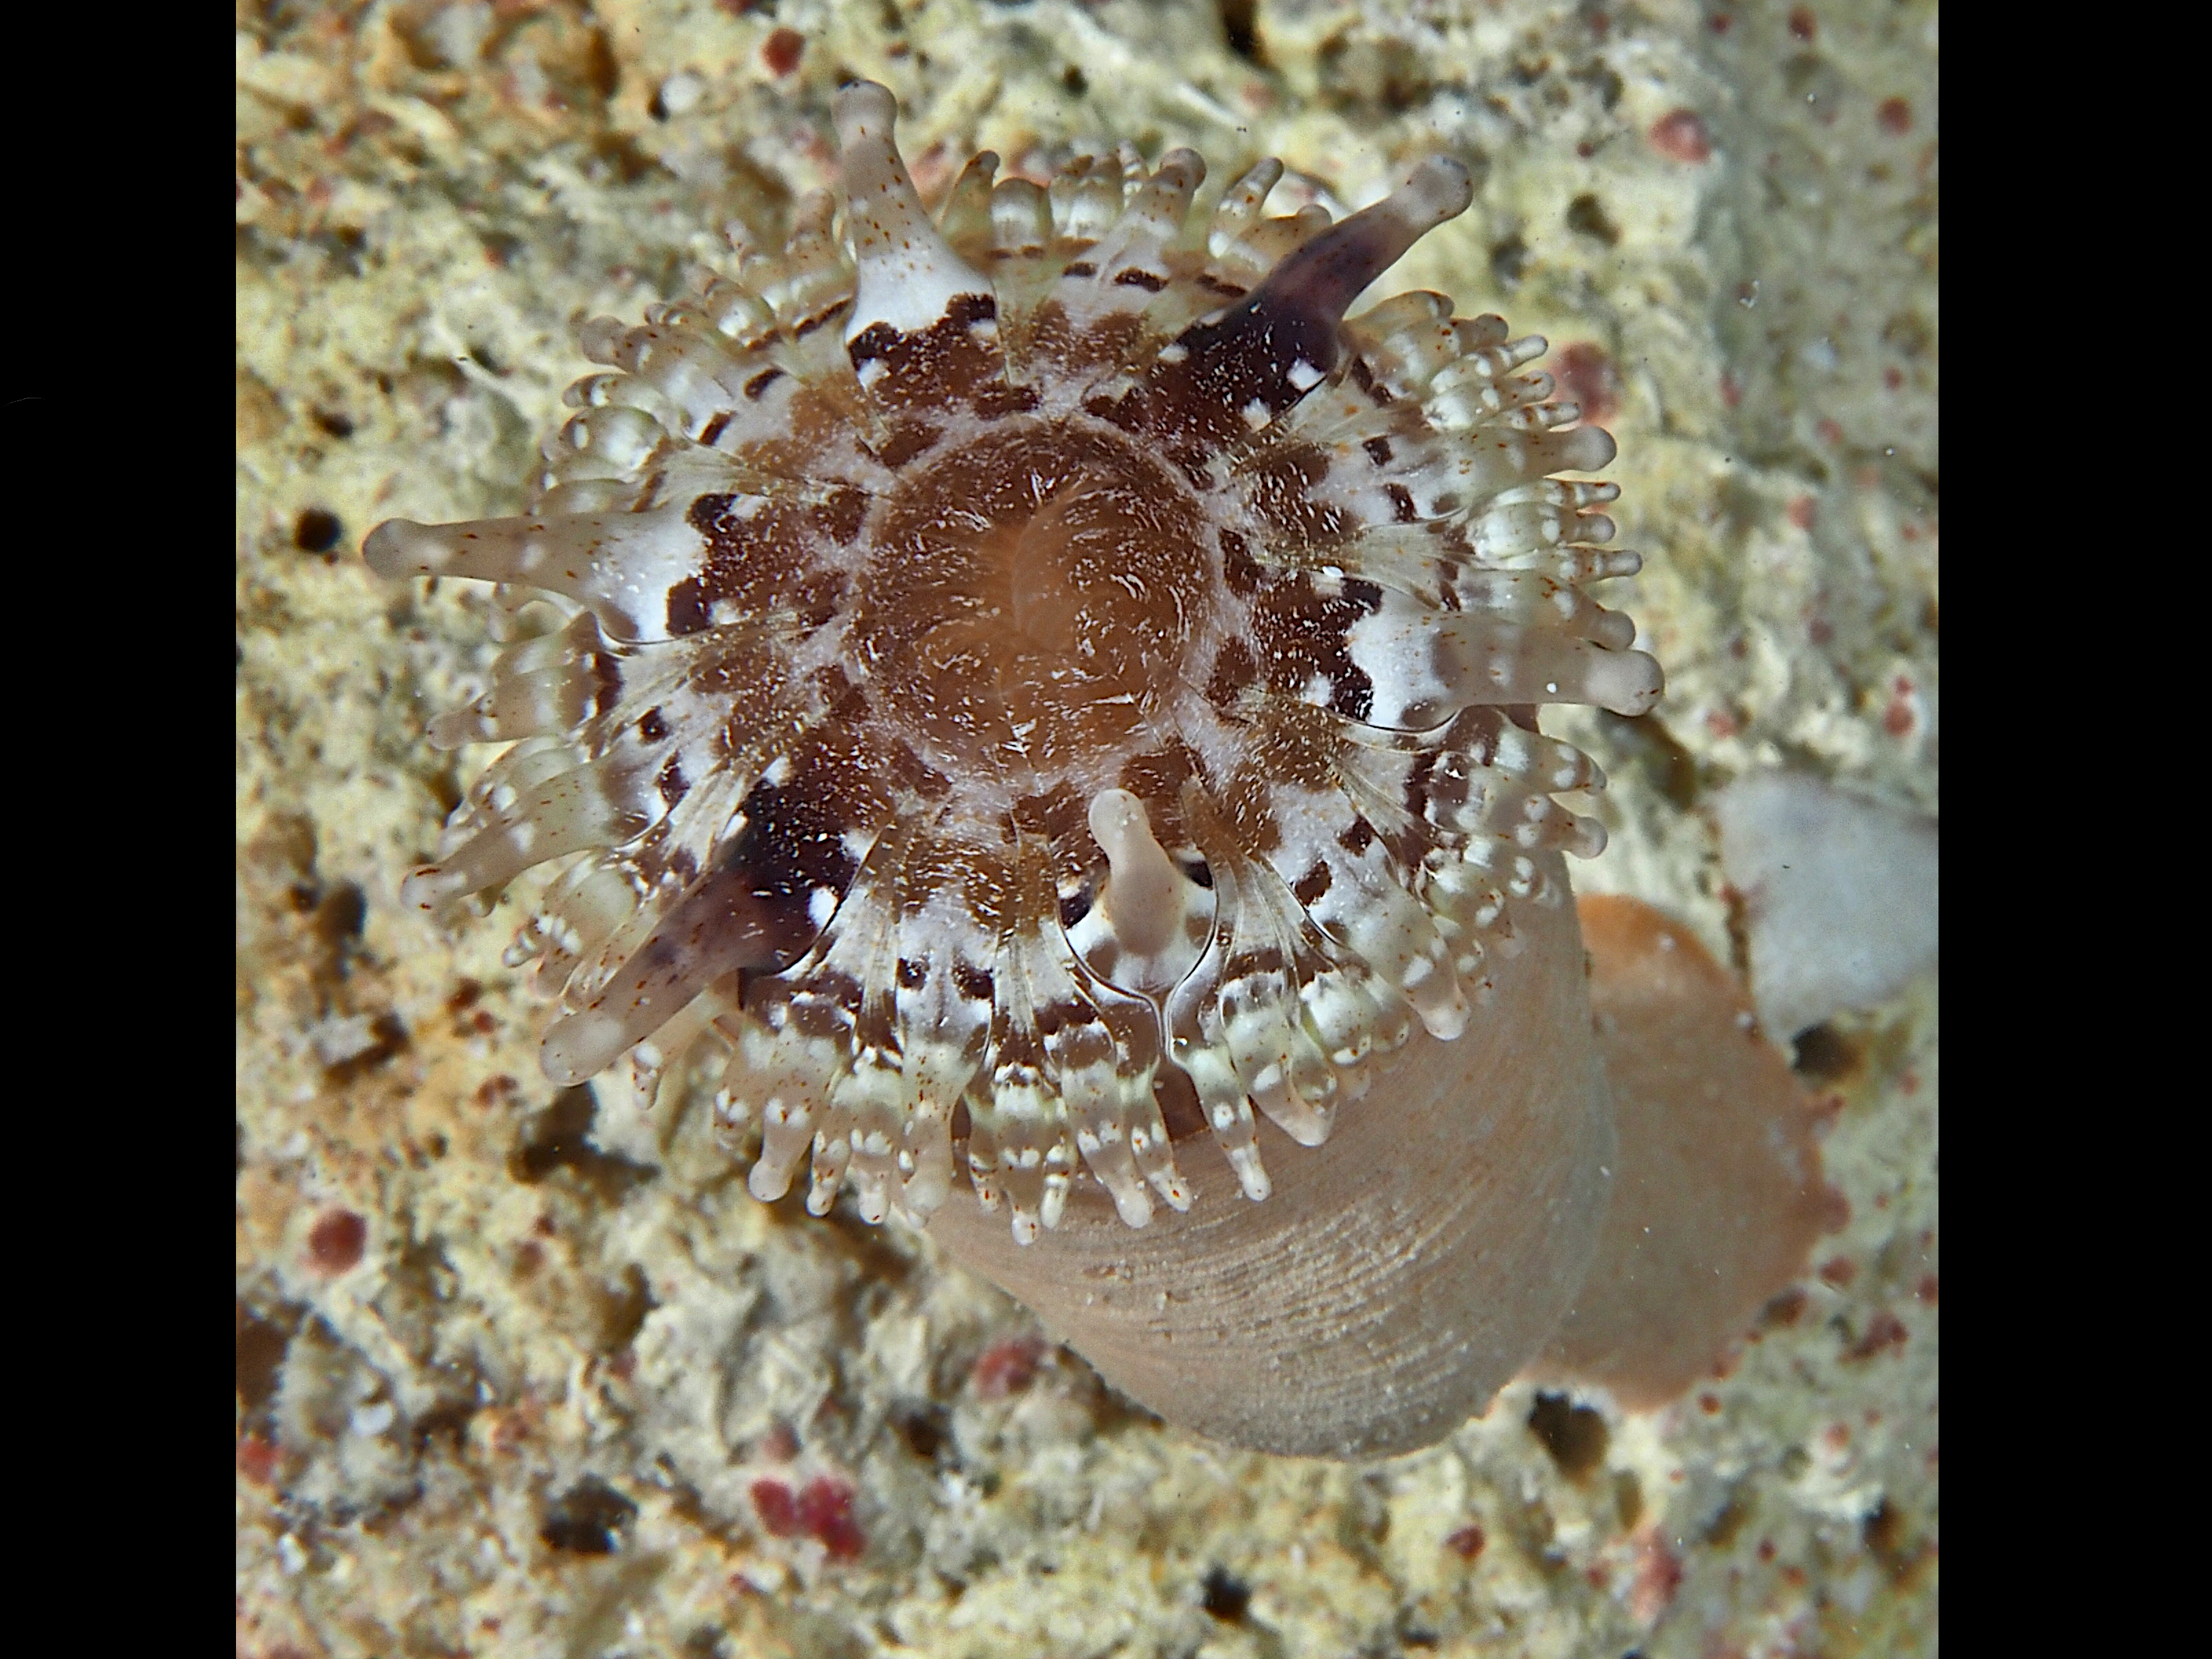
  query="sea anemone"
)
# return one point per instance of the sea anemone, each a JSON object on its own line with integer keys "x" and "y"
{"x": 1039, "y": 680}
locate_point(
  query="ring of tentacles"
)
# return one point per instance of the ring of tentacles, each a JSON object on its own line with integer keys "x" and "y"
{"x": 1037, "y": 680}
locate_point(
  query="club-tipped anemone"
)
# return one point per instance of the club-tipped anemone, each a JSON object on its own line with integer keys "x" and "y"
{"x": 1037, "y": 678}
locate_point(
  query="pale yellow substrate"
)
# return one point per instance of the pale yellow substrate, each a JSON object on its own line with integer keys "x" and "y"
{"x": 445, "y": 245}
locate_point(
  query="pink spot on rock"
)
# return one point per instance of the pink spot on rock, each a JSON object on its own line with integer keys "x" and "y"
{"x": 821, "y": 1510}
{"x": 1895, "y": 117}
{"x": 782, "y": 52}
{"x": 1006, "y": 1368}
{"x": 778, "y": 1509}
{"x": 257, "y": 1460}
{"x": 1801, "y": 512}
{"x": 825, "y": 1513}
{"x": 335, "y": 1242}
{"x": 1785, "y": 1309}
{"x": 1466, "y": 1542}
{"x": 1587, "y": 379}
{"x": 1658, "y": 1576}
{"x": 1883, "y": 1332}
{"x": 1680, "y": 136}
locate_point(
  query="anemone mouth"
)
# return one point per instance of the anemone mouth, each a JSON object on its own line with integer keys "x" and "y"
{"x": 1029, "y": 603}
{"x": 1033, "y": 664}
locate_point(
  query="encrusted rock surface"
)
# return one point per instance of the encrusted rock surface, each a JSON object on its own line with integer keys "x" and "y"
{"x": 522, "y": 1373}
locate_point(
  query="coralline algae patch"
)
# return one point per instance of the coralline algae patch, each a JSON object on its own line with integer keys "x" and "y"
{"x": 519, "y": 1373}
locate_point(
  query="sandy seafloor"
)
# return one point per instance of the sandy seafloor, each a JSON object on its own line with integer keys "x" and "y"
{"x": 521, "y": 1375}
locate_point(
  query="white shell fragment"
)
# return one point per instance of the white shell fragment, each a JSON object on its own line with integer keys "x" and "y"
{"x": 1839, "y": 894}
